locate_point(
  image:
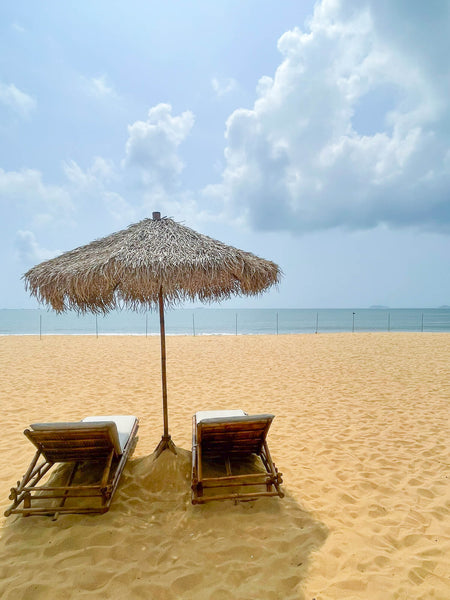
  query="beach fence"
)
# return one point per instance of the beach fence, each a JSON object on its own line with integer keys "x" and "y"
{"x": 197, "y": 322}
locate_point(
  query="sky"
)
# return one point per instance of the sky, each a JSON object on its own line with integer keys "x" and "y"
{"x": 313, "y": 134}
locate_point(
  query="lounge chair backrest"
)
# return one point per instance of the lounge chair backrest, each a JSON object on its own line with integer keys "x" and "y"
{"x": 66, "y": 442}
{"x": 238, "y": 436}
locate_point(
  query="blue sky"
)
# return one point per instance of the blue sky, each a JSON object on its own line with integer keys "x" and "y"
{"x": 315, "y": 134}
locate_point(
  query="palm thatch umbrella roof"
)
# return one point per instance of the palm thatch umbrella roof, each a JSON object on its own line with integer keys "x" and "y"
{"x": 129, "y": 268}
{"x": 151, "y": 264}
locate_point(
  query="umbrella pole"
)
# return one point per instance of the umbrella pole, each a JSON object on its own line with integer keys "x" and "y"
{"x": 166, "y": 441}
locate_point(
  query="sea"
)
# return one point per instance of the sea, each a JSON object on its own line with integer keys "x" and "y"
{"x": 225, "y": 321}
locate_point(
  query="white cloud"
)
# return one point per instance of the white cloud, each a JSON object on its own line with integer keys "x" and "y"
{"x": 148, "y": 175}
{"x": 101, "y": 171}
{"x": 223, "y": 86}
{"x": 25, "y": 191}
{"x": 99, "y": 87}
{"x": 18, "y": 101}
{"x": 297, "y": 160}
{"x": 152, "y": 146}
{"x": 93, "y": 186}
{"x": 103, "y": 168}
{"x": 18, "y": 27}
{"x": 29, "y": 251}
{"x": 119, "y": 208}
{"x": 151, "y": 151}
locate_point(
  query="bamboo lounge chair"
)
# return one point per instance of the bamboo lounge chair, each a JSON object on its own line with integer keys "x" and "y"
{"x": 96, "y": 450}
{"x": 225, "y": 437}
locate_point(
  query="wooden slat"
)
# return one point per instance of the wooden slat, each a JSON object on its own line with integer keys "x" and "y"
{"x": 70, "y": 445}
{"x": 61, "y": 446}
{"x": 234, "y": 496}
{"x": 233, "y": 439}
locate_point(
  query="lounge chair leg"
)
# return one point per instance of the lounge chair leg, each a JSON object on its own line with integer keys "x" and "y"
{"x": 165, "y": 443}
{"x": 27, "y": 503}
{"x": 68, "y": 484}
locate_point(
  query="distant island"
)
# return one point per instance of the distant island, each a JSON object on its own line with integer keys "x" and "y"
{"x": 382, "y": 307}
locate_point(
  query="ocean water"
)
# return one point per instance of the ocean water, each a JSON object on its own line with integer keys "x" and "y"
{"x": 224, "y": 321}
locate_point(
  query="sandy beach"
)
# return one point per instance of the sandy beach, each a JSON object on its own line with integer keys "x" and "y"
{"x": 361, "y": 437}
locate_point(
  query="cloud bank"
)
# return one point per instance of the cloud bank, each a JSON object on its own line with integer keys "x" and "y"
{"x": 351, "y": 131}
{"x": 147, "y": 177}
{"x": 353, "y": 128}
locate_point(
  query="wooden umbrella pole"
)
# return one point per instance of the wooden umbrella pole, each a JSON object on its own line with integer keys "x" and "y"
{"x": 162, "y": 328}
{"x": 166, "y": 441}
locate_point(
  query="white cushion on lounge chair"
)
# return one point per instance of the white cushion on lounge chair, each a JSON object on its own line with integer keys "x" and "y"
{"x": 201, "y": 415}
{"x": 124, "y": 424}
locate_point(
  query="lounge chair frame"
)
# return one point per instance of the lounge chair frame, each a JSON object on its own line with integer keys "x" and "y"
{"x": 233, "y": 438}
{"x": 93, "y": 444}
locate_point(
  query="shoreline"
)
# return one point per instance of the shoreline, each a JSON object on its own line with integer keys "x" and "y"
{"x": 220, "y": 334}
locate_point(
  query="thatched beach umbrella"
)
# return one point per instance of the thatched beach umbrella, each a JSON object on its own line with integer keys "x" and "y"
{"x": 150, "y": 265}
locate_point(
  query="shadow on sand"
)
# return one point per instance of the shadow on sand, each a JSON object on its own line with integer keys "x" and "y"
{"x": 153, "y": 543}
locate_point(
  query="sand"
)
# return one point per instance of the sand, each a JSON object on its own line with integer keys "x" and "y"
{"x": 361, "y": 436}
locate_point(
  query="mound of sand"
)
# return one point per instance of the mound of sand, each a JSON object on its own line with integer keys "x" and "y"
{"x": 154, "y": 544}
